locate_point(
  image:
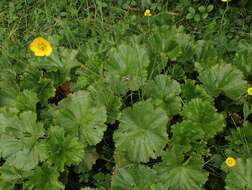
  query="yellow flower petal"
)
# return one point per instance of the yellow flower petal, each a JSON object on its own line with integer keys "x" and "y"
{"x": 41, "y": 47}
{"x": 147, "y": 12}
{"x": 249, "y": 91}
{"x": 230, "y": 162}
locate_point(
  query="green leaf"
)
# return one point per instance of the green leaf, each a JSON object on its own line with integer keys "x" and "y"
{"x": 223, "y": 78}
{"x": 202, "y": 9}
{"x": 210, "y": 8}
{"x": 88, "y": 160}
{"x": 102, "y": 94}
{"x": 8, "y": 87}
{"x": 81, "y": 118}
{"x": 207, "y": 55}
{"x": 142, "y": 132}
{"x": 204, "y": 114}
{"x": 103, "y": 180}
{"x": 43, "y": 178}
{"x": 131, "y": 177}
{"x": 189, "y": 16}
{"x": 34, "y": 80}
{"x": 59, "y": 64}
{"x": 158, "y": 186}
{"x": 177, "y": 174}
{"x": 187, "y": 136}
{"x": 9, "y": 176}
{"x": 26, "y": 100}
{"x": 191, "y": 10}
{"x": 165, "y": 93}
{"x": 196, "y": 17}
{"x": 191, "y": 90}
{"x": 163, "y": 46}
{"x": 243, "y": 58}
{"x": 20, "y": 142}
{"x": 128, "y": 67}
{"x": 246, "y": 110}
{"x": 240, "y": 176}
{"x": 240, "y": 139}
{"x": 63, "y": 149}
{"x": 204, "y": 15}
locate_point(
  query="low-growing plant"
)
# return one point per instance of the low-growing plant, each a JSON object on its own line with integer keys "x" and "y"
{"x": 125, "y": 95}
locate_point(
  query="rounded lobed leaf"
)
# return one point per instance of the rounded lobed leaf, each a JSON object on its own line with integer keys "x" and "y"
{"x": 63, "y": 149}
{"x": 165, "y": 93}
{"x": 204, "y": 114}
{"x": 128, "y": 68}
{"x": 131, "y": 177}
{"x": 142, "y": 132}
{"x": 223, "y": 78}
{"x": 20, "y": 143}
{"x": 240, "y": 176}
{"x": 177, "y": 174}
{"x": 81, "y": 118}
{"x": 43, "y": 178}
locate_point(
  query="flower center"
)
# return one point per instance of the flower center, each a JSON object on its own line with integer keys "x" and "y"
{"x": 42, "y": 46}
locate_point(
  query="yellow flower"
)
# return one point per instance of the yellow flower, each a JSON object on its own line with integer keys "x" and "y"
{"x": 41, "y": 47}
{"x": 230, "y": 162}
{"x": 249, "y": 91}
{"x": 147, "y": 12}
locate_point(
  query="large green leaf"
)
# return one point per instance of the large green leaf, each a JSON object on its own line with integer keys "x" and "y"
{"x": 102, "y": 94}
{"x": 243, "y": 58}
{"x": 223, "y": 78}
{"x": 8, "y": 87}
{"x": 240, "y": 139}
{"x": 131, "y": 177}
{"x": 191, "y": 90}
{"x": 128, "y": 67}
{"x": 178, "y": 174}
{"x": 9, "y": 176}
{"x": 20, "y": 142}
{"x": 63, "y": 149}
{"x": 26, "y": 100}
{"x": 165, "y": 93}
{"x": 203, "y": 113}
{"x": 163, "y": 46}
{"x": 34, "y": 80}
{"x": 240, "y": 176}
{"x": 81, "y": 118}
{"x": 188, "y": 136}
{"x": 142, "y": 132}
{"x": 43, "y": 178}
{"x": 59, "y": 64}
